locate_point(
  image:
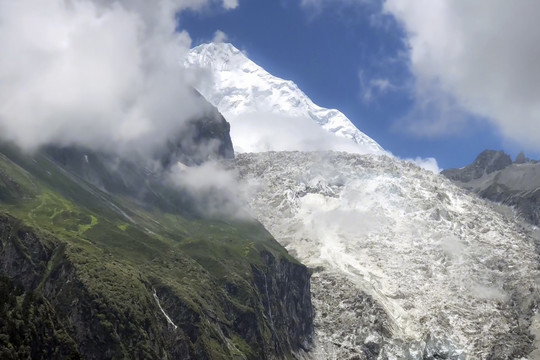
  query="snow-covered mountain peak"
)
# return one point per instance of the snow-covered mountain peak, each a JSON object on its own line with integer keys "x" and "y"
{"x": 258, "y": 104}
{"x": 221, "y": 57}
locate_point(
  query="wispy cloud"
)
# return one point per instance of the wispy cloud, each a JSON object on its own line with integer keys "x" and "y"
{"x": 318, "y": 4}
{"x": 429, "y": 164}
{"x": 316, "y": 8}
{"x": 230, "y": 4}
{"x": 219, "y": 37}
{"x": 372, "y": 89}
{"x": 435, "y": 113}
{"x": 213, "y": 189}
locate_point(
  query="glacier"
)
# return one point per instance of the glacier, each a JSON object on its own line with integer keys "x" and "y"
{"x": 256, "y": 102}
{"x": 406, "y": 264}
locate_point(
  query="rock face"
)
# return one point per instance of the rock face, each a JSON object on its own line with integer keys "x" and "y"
{"x": 202, "y": 139}
{"x": 406, "y": 264}
{"x": 286, "y": 295}
{"x": 121, "y": 277}
{"x": 493, "y": 176}
{"x": 522, "y": 159}
{"x": 274, "y": 324}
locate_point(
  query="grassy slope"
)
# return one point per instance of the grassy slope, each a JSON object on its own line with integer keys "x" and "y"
{"x": 122, "y": 252}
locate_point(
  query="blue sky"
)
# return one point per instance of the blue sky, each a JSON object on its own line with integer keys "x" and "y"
{"x": 352, "y": 56}
{"x": 424, "y": 78}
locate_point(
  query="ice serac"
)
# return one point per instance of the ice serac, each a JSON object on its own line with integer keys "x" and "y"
{"x": 406, "y": 264}
{"x": 238, "y": 86}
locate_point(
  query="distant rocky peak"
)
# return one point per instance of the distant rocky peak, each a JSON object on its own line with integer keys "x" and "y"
{"x": 522, "y": 159}
{"x": 493, "y": 176}
{"x": 491, "y": 160}
{"x": 486, "y": 163}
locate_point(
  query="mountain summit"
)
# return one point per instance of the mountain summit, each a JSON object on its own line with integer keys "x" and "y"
{"x": 247, "y": 95}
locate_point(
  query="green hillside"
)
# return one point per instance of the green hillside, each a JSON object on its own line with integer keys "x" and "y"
{"x": 105, "y": 270}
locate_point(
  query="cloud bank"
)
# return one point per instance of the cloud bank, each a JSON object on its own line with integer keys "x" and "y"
{"x": 477, "y": 57}
{"x": 264, "y": 131}
{"x": 99, "y": 73}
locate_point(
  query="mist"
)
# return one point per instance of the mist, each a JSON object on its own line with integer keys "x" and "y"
{"x": 214, "y": 189}
{"x": 265, "y": 131}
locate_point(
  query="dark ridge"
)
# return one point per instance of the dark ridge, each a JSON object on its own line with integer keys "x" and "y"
{"x": 487, "y": 162}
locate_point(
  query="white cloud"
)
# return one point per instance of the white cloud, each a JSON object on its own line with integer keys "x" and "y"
{"x": 99, "y": 73}
{"x": 429, "y": 164}
{"x": 230, "y": 4}
{"x": 374, "y": 88}
{"x": 219, "y": 37}
{"x": 214, "y": 189}
{"x": 478, "y": 57}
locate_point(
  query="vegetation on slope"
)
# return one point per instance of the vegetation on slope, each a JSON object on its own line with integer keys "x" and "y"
{"x": 29, "y": 327}
{"x": 130, "y": 279}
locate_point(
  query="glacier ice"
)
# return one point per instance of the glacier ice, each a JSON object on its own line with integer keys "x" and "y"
{"x": 406, "y": 265}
